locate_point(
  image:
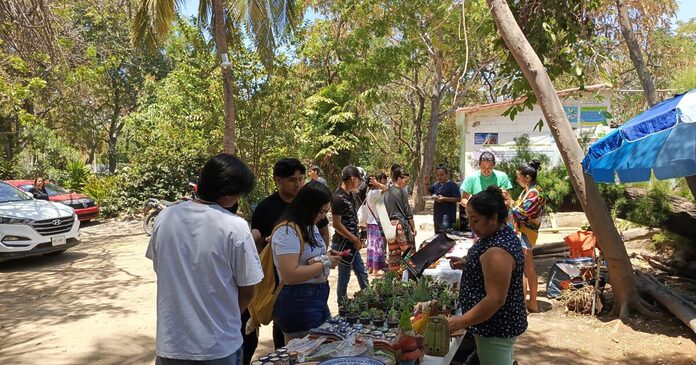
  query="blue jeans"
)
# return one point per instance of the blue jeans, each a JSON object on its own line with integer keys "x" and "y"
{"x": 234, "y": 359}
{"x": 301, "y": 307}
{"x": 344, "y": 276}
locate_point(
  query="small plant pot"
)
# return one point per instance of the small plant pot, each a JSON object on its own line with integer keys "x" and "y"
{"x": 365, "y": 321}
{"x": 352, "y": 318}
{"x": 342, "y": 311}
{"x": 392, "y": 324}
{"x": 379, "y": 323}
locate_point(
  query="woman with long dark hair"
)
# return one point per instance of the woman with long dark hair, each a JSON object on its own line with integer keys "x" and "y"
{"x": 303, "y": 263}
{"x": 527, "y": 212}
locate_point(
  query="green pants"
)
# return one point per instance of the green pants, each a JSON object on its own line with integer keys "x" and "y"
{"x": 494, "y": 350}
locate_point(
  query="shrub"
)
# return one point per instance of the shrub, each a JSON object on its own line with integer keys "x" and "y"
{"x": 77, "y": 175}
{"x": 104, "y": 190}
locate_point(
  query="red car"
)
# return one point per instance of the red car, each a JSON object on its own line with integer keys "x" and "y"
{"x": 85, "y": 207}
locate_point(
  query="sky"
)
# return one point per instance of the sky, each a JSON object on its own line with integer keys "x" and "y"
{"x": 687, "y": 9}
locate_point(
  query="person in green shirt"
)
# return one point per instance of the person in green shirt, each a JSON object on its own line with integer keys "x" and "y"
{"x": 485, "y": 177}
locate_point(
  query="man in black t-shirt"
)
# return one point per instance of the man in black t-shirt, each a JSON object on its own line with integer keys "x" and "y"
{"x": 344, "y": 213}
{"x": 446, "y": 195}
{"x": 288, "y": 174}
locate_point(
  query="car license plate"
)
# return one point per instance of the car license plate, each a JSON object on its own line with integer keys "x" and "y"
{"x": 57, "y": 241}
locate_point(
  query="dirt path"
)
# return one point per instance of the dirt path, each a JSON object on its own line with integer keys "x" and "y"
{"x": 95, "y": 304}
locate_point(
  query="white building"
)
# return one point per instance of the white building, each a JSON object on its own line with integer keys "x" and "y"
{"x": 485, "y": 128}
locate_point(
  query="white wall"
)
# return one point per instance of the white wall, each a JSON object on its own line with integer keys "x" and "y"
{"x": 492, "y": 121}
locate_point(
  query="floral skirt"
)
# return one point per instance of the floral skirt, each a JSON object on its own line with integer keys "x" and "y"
{"x": 375, "y": 248}
{"x": 397, "y": 247}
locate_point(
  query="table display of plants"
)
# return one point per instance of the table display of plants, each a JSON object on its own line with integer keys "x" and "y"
{"x": 390, "y": 322}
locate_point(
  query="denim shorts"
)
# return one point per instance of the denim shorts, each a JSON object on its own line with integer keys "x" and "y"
{"x": 302, "y": 307}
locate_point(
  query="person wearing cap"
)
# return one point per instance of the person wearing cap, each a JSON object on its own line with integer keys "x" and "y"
{"x": 344, "y": 215}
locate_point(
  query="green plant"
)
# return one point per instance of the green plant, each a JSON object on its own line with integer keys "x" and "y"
{"x": 666, "y": 242}
{"x": 653, "y": 209}
{"x": 377, "y": 314}
{"x": 77, "y": 175}
{"x": 351, "y": 307}
{"x": 364, "y": 315}
{"x": 393, "y": 315}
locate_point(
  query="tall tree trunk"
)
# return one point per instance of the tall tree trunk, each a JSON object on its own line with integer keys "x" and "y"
{"x": 428, "y": 152}
{"x": 114, "y": 129}
{"x": 623, "y": 283}
{"x": 635, "y": 53}
{"x": 112, "y": 153}
{"x": 228, "y": 137}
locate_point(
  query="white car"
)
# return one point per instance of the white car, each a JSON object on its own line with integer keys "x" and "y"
{"x": 31, "y": 227}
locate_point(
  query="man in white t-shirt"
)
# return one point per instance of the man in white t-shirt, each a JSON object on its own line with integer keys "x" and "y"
{"x": 207, "y": 265}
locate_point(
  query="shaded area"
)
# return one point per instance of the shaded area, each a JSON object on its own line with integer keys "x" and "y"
{"x": 141, "y": 350}
{"x": 45, "y": 291}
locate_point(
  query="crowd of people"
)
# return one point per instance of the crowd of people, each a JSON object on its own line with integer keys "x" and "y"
{"x": 207, "y": 258}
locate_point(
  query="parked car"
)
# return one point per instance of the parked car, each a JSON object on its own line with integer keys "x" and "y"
{"x": 31, "y": 227}
{"x": 85, "y": 207}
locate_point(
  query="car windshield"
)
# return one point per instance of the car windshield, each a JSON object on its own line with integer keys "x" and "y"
{"x": 54, "y": 189}
{"x": 9, "y": 193}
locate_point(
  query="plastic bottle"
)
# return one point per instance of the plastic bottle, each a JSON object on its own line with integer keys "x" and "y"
{"x": 445, "y": 223}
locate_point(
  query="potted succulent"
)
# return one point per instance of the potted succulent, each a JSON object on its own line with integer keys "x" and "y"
{"x": 365, "y": 318}
{"x": 377, "y": 317}
{"x": 393, "y": 318}
{"x": 351, "y": 312}
{"x": 342, "y": 308}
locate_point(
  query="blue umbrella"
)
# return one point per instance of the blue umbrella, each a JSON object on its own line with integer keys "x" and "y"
{"x": 661, "y": 140}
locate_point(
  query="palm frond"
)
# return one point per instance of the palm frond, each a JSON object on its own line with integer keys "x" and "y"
{"x": 260, "y": 28}
{"x": 152, "y": 22}
{"x": 205, "y": 13}
{"x": 284, "y": 16}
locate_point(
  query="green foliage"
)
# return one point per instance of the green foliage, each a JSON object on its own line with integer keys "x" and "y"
{"x": 8, "y": 169}
{"x": 104, "y": 190}
{"x": 77, "y": 175}
{"x": 651, "y": 210}
{"x": 667, "y": 242}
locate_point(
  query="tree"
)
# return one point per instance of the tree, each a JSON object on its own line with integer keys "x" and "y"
{"x": 265, "y": 21}
{"x": 623, "y": 283}
{"x": 636, "y": 54}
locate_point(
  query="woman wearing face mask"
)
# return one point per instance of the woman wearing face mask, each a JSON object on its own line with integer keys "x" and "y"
{"x": 491, "y": 294}
{"x": 527, "y": 212}
{"x": 303, "y": 263}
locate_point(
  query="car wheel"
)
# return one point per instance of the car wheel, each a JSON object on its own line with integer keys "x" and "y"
{"x": 55, "y": 253}
{"x": 149, "y": 222}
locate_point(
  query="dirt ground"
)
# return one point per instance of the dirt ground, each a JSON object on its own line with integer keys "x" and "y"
{"x": 95, "y": 304}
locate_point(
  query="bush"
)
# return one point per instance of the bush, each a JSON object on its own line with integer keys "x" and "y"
{"x": 77, "y": 175}
{"x": 8, "y": 169}
{"x": 651, "y": 210}
{"x": 104, "y": 190}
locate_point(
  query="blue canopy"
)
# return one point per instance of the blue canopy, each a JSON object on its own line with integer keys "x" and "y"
{"x": 661, "y": 140}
